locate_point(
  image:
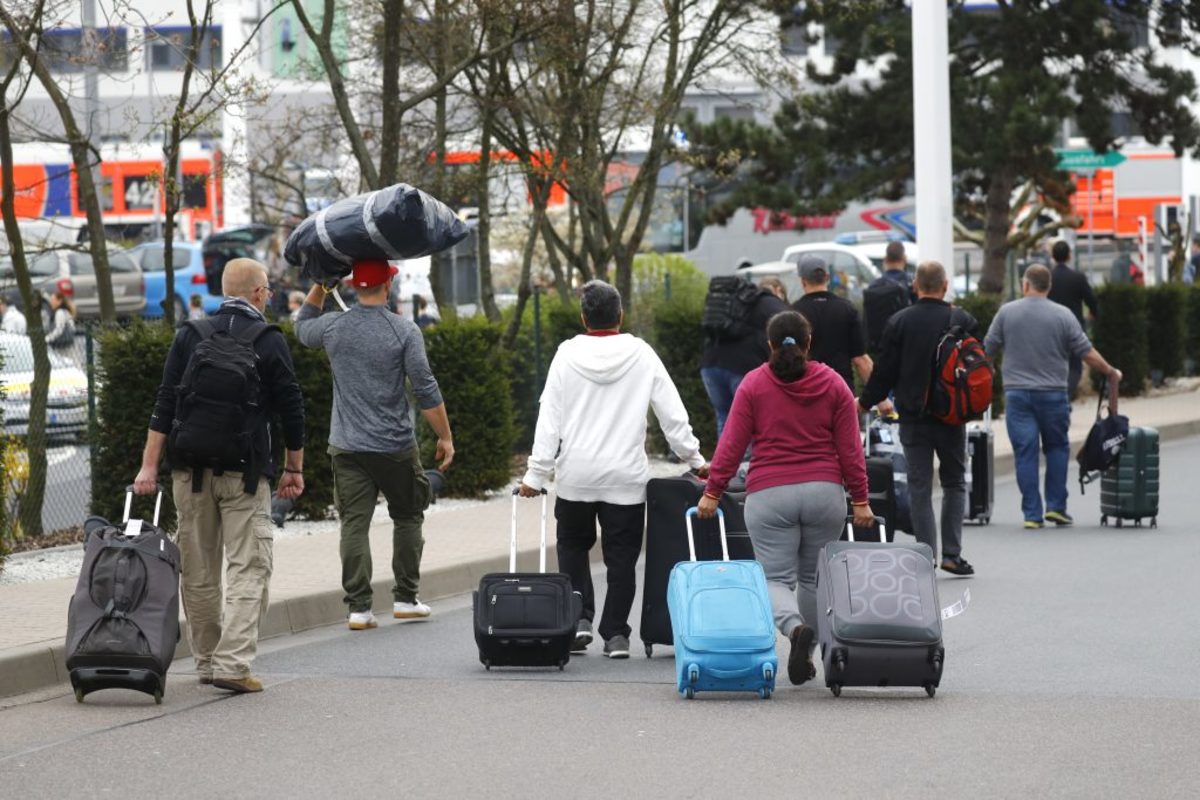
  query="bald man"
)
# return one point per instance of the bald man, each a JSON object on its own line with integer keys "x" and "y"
{"x": 224, "y": 378}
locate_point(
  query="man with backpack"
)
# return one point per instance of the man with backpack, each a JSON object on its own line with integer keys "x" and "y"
{"x": 887, "y": 294}
{"x": 223, "y": 379}
{"x": 837, "y": 332}
{"x": 372, "y": 444}
{"x": 1039, "y": 338}
{"x": 1070, "y": 288}
{"x": 909, "y": 364}
{"x": 735, "y": 337}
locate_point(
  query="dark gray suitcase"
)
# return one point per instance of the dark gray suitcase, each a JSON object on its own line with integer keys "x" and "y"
{"x": 123, "y": 620}
{"x": 981, "y": 470}
{"x": 879, "y": 621}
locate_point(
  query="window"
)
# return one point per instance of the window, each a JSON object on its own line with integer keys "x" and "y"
{"x": 80, "y": 264}
{"x": 120, "y": 262}
{"x": 141, "y": 192}
{"x": 793, "y": 38}
{"x": 1133, "y": 26}
{"x": 195, "y": 191}
{"x": 166, "y": 48}
{"x": 41, "y": 265}
{"x": 67, "y": 52}
{"x": 104, "y": 189}
{"x": 742, "y": 113}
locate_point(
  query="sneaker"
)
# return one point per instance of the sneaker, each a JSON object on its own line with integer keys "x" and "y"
{"x": 616, "y": 647}
{"x": 362, "y": 620}
{"x": 800, "y": 666}
{"x": 1034, "y": 524}
{"x": 246, "y": 685}
{"x": 583, "y": 636}
{"x": 957, "y": 566}
{"x": 414, "y": 610}
{"x": 1060, "y": 518}
{"x": 205, "y": 679}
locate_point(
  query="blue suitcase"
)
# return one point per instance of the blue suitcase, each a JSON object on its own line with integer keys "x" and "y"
{"x": 723, "y": 627}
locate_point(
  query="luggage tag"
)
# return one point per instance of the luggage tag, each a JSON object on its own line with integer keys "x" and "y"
{"x": 132, "y": 528}
{"x": 957, "y": 607}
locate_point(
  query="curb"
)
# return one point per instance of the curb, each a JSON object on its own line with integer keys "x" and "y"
{"x": 38, "y": 666}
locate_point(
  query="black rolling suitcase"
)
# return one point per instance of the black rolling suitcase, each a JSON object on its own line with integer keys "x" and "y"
{"x": 981, "y": 470}
{"x": 123, "y": 620}
{"x": 885, "y": 443}
{"x": 667, "y": 500}
{"x": 881, "y": 486}
{"x": 526, "y": 619}
{"x": 1129, "y": 488}
{"x": 880, "y": 622}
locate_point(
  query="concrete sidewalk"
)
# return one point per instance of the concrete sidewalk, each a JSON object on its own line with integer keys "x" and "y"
{"x": 461, "y": 545}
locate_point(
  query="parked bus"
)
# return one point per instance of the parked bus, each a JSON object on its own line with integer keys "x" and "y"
{"x": 129, "y": 185}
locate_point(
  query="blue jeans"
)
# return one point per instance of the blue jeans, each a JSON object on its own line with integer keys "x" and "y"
{"x": 721, "y": 385}
{"x": 1029, "y": 416}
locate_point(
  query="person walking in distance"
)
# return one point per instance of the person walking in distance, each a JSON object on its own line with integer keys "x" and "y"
{"x": 591, "y": 438}
{"x": 229, "y": 369}
{"x": 372, "y": 446}
{"x": 800, "y": 419}
{"x": 906, "y": 365}
{"x": 1070, "y": 288}
{"x": 837, "y": 331}
{"x": 1039, "y": 338}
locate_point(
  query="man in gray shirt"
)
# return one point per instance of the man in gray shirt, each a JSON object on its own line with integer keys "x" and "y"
{"x": 1039, "y": 337}
{"x": 371, "y": 441}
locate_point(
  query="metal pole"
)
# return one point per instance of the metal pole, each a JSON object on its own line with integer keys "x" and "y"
{"x": 89, "y": 347}
{"x": 1091, "y": 228}
{"x": 667, "y": 286}
{"x": 931, "y": 133}
{"x": 967, "y": 272}
{"x": 537, "y": 344}
{"x": 686, "y": 212}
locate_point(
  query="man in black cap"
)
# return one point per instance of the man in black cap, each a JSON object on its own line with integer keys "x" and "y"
{"x": 837, "y": 331}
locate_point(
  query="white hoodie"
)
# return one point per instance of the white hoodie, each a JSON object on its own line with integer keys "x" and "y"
{"x": 591, "y": 428}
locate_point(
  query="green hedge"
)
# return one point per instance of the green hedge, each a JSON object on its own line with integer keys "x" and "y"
{"x": 316, "y": 384}
{"x": 559, "y": 322}
{"x": 678, "y": 341}
{"x": 983, "y": 307}
{"x": 5, "y": 533}
{"x": 129, "y": 368}
{"x": 1166, "y": 313}
{"x": 1193, "y": 326}
{"x": 472, "y": 372}
{"x": 1120, "y": 334}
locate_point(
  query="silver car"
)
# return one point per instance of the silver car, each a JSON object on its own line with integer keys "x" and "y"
{"x": 71, "y": 271}
{"x": 66, "y": 405}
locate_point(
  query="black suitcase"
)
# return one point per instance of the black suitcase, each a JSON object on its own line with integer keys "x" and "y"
{"x": 526, "y": 619}
{"x": 881, "y": 623}
{"x": 1129, "y": 488}
{"x": 981, "y": 470}
{"x": 123, "y": 620}
{"x": 895, "y": 508}
{"x": 667, "y": 499}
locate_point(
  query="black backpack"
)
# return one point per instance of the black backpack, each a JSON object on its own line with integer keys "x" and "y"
{"x": 881, "y": 299}
{"x": 219, "y": 402}
{"x": 1104, "y": 441}
{"x": 728, "y": 306}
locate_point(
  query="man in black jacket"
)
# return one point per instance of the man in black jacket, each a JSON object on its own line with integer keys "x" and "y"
{"x": 725, "y": 361}
{"x": 1069, "y": 287}
{"x": 224, "y": 508}
{"x": 906, "y": 366}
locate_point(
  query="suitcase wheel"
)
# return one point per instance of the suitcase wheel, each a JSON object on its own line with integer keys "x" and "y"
{"x": 487, "y": 665}
{"x": 689, "y": 693}
{"x": 1103, "y": 520}
{"x": 158, "y": 697}
{"x": 1118, "y": 522}
{"x": 693, "y": 674}
{"x": 78, "y": 694}
{"x": 562, "y": 665}
{"x": 836, "y": 688}
{"x": 764, "y": 693}
{"x": 768, "y": 673}
{"x": 1154, "y": 522}
{"x": 930, "y": 689}
{"x": 649, "y": 650}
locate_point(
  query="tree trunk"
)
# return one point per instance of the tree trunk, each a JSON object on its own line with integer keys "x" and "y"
{"x": 30, "y": 512}
{"x": 487, "y": 290}
{"x": 525, "y": 285}
{"x": 623, "y": 266}
{"x": 389, "y": 139}
{"x": 439, "y": 164}
{"x": 997, "y": 220}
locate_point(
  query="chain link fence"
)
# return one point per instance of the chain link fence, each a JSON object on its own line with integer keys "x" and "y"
{"x": 47, "y": 484}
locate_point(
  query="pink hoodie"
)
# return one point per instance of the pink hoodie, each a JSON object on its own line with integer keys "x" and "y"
{"x": 802, "y": 431}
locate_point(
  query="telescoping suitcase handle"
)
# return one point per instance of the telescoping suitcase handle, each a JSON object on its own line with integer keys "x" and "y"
{"x": 512, "y": 545}
{"x": 692, "y": 512}
{"x": 880, "y": 521}
{"x": 129, "y": 502}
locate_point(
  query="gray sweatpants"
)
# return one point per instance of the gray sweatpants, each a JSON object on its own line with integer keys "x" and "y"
{"x": 788, "y": 526}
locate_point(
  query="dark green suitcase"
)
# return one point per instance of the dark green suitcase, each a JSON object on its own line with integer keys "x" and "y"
{"x": 1129, "y": 488}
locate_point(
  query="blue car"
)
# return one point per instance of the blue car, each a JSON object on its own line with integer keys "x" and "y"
{"x": 190, "y": 278}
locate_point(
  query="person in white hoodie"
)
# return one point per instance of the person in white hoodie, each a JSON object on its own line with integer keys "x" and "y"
{"x": 591, "y": 437}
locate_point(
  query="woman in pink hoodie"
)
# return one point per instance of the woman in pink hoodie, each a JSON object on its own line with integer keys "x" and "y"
{"x": 802, "y": 422}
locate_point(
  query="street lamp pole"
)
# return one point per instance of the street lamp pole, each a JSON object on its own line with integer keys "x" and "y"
{"x": 931, "y": 133}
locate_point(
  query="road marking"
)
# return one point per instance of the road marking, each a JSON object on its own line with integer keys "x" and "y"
{"x": 60, "y": 454}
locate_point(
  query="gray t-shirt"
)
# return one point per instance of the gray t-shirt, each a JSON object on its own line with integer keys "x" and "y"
{"x": 371, "y": 351}
{"x": 1038, "y": 338}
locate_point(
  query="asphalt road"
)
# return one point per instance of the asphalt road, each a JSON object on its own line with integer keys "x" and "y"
{"x": 68, "y": 486}
{"x": 1072, "y": 674}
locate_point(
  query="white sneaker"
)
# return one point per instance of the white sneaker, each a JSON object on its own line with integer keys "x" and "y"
{"x": 362, "y": 620}
{"x": 413, "y": 610}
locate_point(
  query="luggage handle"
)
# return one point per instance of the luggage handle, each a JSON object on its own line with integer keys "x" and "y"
{"x": 512, "y": 543}
{"x": 880, "y": 521}
{"x": 129, "y": 502}
{"x": 692, "y": 512}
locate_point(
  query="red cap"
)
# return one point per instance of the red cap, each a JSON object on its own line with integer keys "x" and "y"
{"x": 371, "y": 273}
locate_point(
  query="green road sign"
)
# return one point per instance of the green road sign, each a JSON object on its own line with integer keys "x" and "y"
{"x": 1088, "y": 159}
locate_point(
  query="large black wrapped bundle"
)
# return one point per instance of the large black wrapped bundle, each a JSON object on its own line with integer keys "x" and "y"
{"x": 394, "y": 223}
